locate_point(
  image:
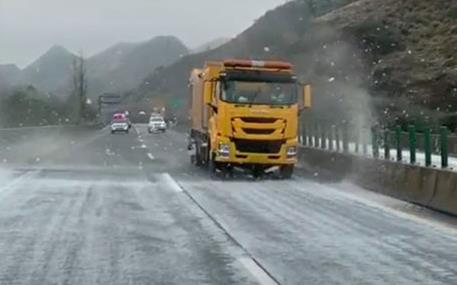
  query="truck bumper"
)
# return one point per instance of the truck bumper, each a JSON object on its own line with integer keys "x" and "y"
{"x": 234, "y": 157}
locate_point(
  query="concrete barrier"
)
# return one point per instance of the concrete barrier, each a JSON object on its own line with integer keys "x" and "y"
{"x": 445, "y": 196}
{"x": 434, "y": 188}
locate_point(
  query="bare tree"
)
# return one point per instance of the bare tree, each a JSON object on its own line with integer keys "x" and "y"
{"x": 80, "y": 87}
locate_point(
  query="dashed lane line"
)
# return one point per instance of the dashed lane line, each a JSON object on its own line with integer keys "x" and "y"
{"x": 249, "y": 262}
{"x": 171, "y": 182}
{"x": 17, "y": 181}
{"x": 256, "y": 271}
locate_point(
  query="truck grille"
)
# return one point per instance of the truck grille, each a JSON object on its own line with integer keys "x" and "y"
{"x": 259, "y": 131}
{"x": 250, "y": 146}
{"x": 259, "y": 120}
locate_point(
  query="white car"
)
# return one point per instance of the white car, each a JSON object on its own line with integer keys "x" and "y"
{"x": 157, "y": 124}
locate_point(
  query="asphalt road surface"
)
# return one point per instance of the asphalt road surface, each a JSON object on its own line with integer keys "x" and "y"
{"x": 87, "y": 207}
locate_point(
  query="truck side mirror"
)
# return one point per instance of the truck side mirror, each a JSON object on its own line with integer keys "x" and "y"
{"x": 307, "y": 97}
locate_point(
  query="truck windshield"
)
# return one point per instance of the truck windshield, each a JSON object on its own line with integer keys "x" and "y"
{"x": 260, "y": 93}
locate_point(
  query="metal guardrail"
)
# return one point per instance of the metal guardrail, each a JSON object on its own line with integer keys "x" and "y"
{"x": 382, "y": 143}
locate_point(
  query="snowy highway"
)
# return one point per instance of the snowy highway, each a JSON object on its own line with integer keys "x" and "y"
{"x": 87, "y": 207}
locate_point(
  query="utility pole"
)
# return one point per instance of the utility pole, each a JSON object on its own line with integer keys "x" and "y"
{"x": 80, "y": 86}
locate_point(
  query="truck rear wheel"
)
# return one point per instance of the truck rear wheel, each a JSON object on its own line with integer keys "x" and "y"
{"x": 286, "y": 171}
{"x": 212, "y": 167}
{"x": 198, "y": 156}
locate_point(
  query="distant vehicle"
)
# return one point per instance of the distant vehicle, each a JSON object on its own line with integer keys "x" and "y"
{"x": 142, "y": 113}
{"x": 157, "y": 124}
{"x": 120, "y": 123}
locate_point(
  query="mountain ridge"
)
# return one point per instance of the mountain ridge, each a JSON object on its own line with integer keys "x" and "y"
{"x": 118, "y": 68}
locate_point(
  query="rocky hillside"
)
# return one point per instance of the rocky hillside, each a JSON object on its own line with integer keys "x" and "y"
{"x": 408, "y": 50}
{"x": 369, "y": 60}
{"x": 124, "y": 66}
{"x": 52, "y": 71}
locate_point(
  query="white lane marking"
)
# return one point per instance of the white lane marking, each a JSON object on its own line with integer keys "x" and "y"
{"x": 143, "y": 146}
{"x": 171, "y": 182}
{"x": 151, "y": 157}
{"x": 249, "y": 262}
{"x": 258, "y": 273}
{"x": 16, "y": 181}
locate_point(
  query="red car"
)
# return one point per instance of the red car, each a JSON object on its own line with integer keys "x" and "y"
{"x": 120, "y": 123}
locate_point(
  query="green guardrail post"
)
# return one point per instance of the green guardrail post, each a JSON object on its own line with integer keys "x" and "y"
{"x": 357, "y": 141}
{"x": 337, "y": 139}
{"x": 323, "y": 138}
{"x": 331, "y": 137}
{"x": 345, "y": 139}
{"x": 428, "y": 147}
{"x": 444, "y": 147}
{"x": 309, "y": 139}
{"x": 398, "y": 143}
{"x": 315, "y": 136}
{"x": 319, "y": 137}
{"x": 386, "y": 144}
{"x": 412, "y": 144}
{"x": 374, "y": 142}
{"x": 364, "y": 142}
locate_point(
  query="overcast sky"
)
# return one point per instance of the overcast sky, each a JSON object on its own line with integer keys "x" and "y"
{"x": 29, "y": 27}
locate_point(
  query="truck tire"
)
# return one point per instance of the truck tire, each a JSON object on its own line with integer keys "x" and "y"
{"x": 212, "y": 167}
{"x": 198, "y": 156}
{"x": 257, "y": 172}
{"x": 286, "y": 171}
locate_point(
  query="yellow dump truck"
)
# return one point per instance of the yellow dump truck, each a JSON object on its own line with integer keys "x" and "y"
{"x": 245, "y": 114}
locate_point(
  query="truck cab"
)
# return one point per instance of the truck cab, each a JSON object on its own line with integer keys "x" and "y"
{"x": 245, "y": 114}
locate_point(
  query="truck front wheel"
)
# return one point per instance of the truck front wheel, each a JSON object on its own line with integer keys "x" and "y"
{"x": 286, "y": 171}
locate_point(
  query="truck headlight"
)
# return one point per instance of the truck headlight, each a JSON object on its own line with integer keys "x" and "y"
{"x": 224, "y": 149}
{"x": 292, "y": 151}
